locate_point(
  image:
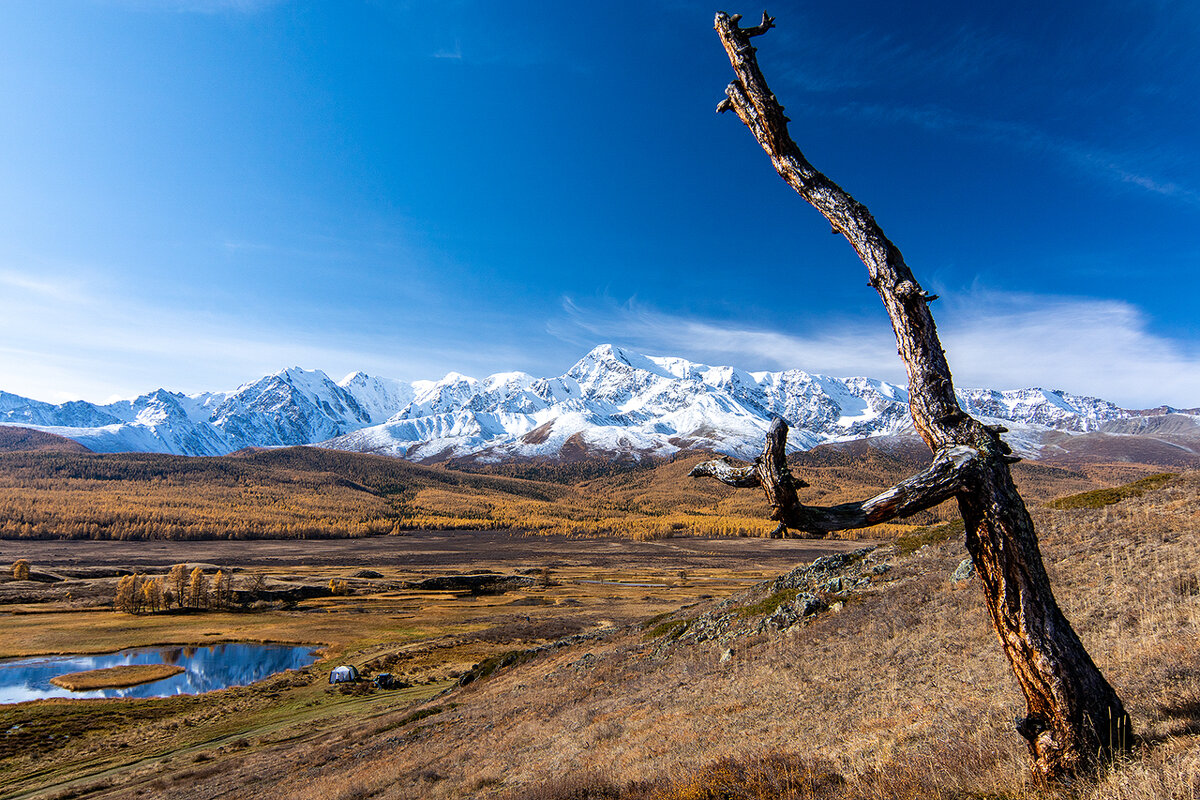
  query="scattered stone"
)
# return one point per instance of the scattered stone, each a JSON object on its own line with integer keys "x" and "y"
{"x": 788, "y": 614}
{"x": 809, "y": 604}
{"x": 728, "y": 622}
{"x": 881, "y": 569}
{"x": 836, "y": 607}
{"x": 965, "y": 571}
{"x": 367, "y": 573}
{"x": 806, "y": 576}
{"x": 586, "y": 661}
{"x": 726, "y": 654}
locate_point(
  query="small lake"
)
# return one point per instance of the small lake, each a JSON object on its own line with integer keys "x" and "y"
{"x": 208, "y": 667}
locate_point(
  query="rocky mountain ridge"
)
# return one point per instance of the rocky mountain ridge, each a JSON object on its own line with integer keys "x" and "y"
{"x": 612, "y": 401}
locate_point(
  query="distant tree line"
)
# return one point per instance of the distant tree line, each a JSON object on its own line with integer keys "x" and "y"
{"x": 559, "y": 472}
{"x": 306, "y": 493}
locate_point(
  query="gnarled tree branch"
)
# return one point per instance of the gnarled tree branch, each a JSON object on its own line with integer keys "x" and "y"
{"x": 953, "y": 470}
{"x": 741, "y": 476}
{"x": 1078, "y": 720}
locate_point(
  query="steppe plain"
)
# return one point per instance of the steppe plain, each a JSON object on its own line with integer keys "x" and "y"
{"x": 578, "y": 666}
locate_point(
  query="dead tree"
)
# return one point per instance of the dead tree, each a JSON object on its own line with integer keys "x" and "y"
{"x": 1074, "y": 720}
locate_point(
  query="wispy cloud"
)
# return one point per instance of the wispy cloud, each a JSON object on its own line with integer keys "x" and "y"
{"x": 849, "y": 348}
{"x": 835, "y": 63}
{"x": 68, "y": 337}
{"x": 16, "y": 281}
{"x": 454, "y": 53}
{"x": 997, "y": 340}
{"x": 1097, "y": 161}
{"x": 196, "y": 6}
{"x": 949, "y": 75}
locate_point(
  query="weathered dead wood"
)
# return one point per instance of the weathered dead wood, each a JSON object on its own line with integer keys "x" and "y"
{"x": 1074, "y": 720}
{"x": 949, "y": 474}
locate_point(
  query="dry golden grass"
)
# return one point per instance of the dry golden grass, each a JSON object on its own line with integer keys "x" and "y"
{"x": 305, "y": 492}
{"x": 115, "y": 677}
{"x": 258, "y": 735}
{"x": 904, "y": 693}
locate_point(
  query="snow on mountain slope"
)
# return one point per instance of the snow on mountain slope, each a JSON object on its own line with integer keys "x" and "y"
{"x": 612, "y": 401}
{"x": 20, "y": 410}
{"x": 293, "y": 406}
{"x": 379, "y": 397}
{"x": 1052, "y": 409}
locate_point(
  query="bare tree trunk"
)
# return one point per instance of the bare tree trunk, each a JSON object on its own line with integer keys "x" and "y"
{"x": 1074, "y": 719}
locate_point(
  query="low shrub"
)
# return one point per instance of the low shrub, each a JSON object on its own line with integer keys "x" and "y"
{"x": 587, "y": 785}
{"x": 421, "y": 714}
{"x": 777, "y": 776}
{"x": 1099, "y": 498}
{"x": 489, "y": 665}
{"x": 912, "y": 542}
{"x": 672, "y": 630}
{"x": 768, "y": 604}
{"x": 657, "y": 618}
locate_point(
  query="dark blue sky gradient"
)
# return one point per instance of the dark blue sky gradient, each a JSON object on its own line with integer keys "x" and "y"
{"x": 201, "y": 191}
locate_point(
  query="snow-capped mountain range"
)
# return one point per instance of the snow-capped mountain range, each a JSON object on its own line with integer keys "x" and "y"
{"x": 613, "y": 401}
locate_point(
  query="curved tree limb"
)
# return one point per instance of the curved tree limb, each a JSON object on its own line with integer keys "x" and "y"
{"x": 952, "y": 471}
{"x": 1074, "y": 719}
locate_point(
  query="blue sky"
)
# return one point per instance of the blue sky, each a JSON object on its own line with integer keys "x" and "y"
{"x": 199, "y": 192}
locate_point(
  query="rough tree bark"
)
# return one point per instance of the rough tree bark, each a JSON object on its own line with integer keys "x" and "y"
{"x": 1074, "y": 720}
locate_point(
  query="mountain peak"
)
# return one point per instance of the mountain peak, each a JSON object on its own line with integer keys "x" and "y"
{"x": 611, "y": 400}
{"x": 611, "y": 352}
{"x": 606, "y": 357}
{"x": 301, "y": 372}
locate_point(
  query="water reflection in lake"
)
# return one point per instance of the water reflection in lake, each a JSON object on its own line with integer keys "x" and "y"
{"x": 206, "y": 668}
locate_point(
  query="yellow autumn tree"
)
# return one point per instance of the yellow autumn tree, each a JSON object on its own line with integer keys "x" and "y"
{"x": 197, "y": 591}
{"x": 129, "y": 597}
{"x": 152, "y": 594}
{"x": 222, "y": 589}
{"x": 177, "y": 583}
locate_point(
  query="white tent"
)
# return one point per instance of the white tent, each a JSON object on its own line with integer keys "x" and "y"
{"x": 343, "y": 674}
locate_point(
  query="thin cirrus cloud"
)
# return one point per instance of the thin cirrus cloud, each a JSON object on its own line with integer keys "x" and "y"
{"x": 993, "y": 340}
{"x": 1096, "y": 161}
{"x": 958, "y": 54}
{"x": 195, "y": 6}
{"x": 454, "y": 53}
{"x": 99, "y": 343}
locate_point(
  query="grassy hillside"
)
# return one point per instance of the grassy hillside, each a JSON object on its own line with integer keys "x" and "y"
{"x": 686, "y": 680}
{"x": 896, "y": 690}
